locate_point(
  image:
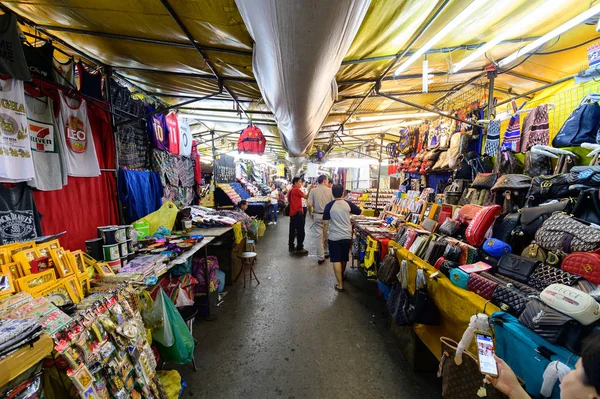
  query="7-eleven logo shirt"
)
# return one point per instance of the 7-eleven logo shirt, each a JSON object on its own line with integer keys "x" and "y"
{"x": 41, "y": 136}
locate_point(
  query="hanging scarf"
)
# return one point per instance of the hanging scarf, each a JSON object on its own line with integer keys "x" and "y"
{"x": 512, "y": 136}
{"x": 492, "y": 141}
{"x": 536, "y": 128}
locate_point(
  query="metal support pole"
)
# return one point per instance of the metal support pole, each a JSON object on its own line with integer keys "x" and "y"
{"x": 492, "y": 80}
{"x": 379, "y": 175}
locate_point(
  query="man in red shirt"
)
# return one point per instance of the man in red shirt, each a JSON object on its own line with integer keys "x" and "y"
{"x": 297, "y": 220}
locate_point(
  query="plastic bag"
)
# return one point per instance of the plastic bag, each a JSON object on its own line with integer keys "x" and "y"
{"x": 237, "y": 233}
{"x": 164, "y": 333}
{"x": 152, "y": 312}
{"x": 183, "y": 299}
{"x": 164, "y": 216}
{"x": 171, "y": 381}
{"x": 261, "y": 229}
{"x": 253, "y": 229}
{"x": 182, "y": 349}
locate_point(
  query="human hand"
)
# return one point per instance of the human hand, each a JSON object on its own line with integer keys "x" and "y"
{"x": 507, "y": 381}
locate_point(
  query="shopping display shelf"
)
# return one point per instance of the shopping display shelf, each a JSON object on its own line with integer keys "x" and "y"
{"x": 24, "y": 358}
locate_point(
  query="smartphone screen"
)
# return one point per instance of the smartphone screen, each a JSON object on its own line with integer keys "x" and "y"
{"x": 485, "y": 348}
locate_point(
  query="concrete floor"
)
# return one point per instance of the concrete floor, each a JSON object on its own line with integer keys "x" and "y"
{"x": 294, "y": 336}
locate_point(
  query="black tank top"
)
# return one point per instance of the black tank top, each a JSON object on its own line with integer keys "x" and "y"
{"x": 90, "y": 84}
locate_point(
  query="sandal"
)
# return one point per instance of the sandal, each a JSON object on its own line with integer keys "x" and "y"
{"x": 338, "y": 288}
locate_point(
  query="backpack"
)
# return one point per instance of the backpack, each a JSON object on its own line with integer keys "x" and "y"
{"x": 580, "y": 127}
{"x": 252, "y": 141}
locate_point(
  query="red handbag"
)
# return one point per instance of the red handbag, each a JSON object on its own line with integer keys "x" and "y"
{"x": 439, "y": 262}
{"x": 584, "y": 264}
{"x": 481, "y": 223}
{"x": 467, "y": 213}
{"x": 481, "y": 286}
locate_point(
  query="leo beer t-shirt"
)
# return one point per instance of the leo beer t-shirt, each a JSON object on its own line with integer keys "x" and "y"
{"x": 46, "y": 145}
{"x": 173, "y": 126}
{"x": 78, "y": 145}
{"x": 19, "y": 218}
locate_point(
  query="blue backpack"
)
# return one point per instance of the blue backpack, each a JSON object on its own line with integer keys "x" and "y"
{"x": 523, "y": 350}
{"x": 580, "y": 127}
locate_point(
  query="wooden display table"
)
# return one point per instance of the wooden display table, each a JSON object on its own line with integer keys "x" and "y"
{"x": 23, "y": 359}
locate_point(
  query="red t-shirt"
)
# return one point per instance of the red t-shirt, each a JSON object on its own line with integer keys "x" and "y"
{"x": 295, "y": 198}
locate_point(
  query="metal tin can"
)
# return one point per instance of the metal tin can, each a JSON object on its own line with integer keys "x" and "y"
{"x": 130, "y": 247}
{"x": 93, "y": 248}
{"x": 111, "y": 252}
{"x": 121, "y": 235}
{"x": 123, "y": 252}
{"x": 110, "y": 236}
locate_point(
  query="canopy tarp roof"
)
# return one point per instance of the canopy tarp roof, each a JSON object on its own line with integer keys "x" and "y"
{"x": 143, "y": 41}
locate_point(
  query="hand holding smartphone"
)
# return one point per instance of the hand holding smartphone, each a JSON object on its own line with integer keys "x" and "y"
{"x": 486, "y": 352}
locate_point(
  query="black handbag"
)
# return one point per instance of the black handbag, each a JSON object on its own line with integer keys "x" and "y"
{"x": 548, "y": 187}
{"x": 555, "y": 327}
{"x": 587, "y": 206}
{"x": 397, "y": 305}
{"x": 508, "y": 163}
{"x": 448, "y": 265}
{"x": 545, "y": 275}
{"x": 517, "y": 267}
{"x": 452, "y": 253}
{"x": 485, "y": 180}
{"x": 388, "y": 270}
{"x": 505, "y": 226}
{"x": 532, "y": 218}
{"x": 537, "y": 164}
{"x": 489, "y": 259}
{"x": 422, "y": 310}
{"x": 509, "y": 295}
{"x": 580, "y": 127}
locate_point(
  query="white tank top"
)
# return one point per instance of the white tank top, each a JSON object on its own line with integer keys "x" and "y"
{"x": 78, "y": 143}
{"x": 16, "y": 162}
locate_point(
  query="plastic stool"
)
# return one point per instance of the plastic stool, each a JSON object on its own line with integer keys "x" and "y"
{"x": 188, "y": 314}
{"x": 250, "y": 246}
{"x": 248, "y": 260}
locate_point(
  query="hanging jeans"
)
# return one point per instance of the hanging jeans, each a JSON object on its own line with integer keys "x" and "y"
{"x": 273, "y": 212}
{"x": 297, "y": 231}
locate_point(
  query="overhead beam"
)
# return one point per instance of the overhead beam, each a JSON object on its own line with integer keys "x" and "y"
{"x": 206, "y": 76}
{"x": 566, "y": 78}
{"x": 405, "y": 77}
{"x": 143, "y": 40}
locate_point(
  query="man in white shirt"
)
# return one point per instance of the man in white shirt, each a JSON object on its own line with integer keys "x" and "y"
{"x": 317, "y": 199}
{"x": 273, "y": 206}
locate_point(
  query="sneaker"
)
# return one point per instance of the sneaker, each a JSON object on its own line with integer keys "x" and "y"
{"x": 292, "y": 249}
{"x": 321, "y": 261}
{"x": 275, "y": 223}
{"x": 302, "y": 252}
{"x": 270, "y": 223}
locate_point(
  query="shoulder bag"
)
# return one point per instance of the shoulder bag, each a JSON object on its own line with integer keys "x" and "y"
{"x": 505, "y": 226}
{"x": 548, "y": 187}
{"x": 508, "y": 163}
{"x": 389, "y": 269}
{"x": 545, "y": 275}
{"x": 397, "y": 304}
{"x": 495, "y": 247}
{"x": 422, "y": 310}
{"x": 533, "y": 251}
{"x": 517, "y": 267}
{"x": 507, "y": 296}
{"x": 459, "y": 278}
{"x": 587, "y": 206}
{"x": 482, "y": 286}
{"x": 533, "y": 218}
{"x": 447, "y": 266}
{"x": 485, "y": 180}
{"x": 537, "y": 164}
{"x": 580, "y": 127}
{"x": 555, "y": 327}
{"x": 513, "y": 182}
{"x": 481, "y": 223}
{"x": 567, "y": 233}
{"x": 584, "y": 264}
{"x": 467, "y": 213}
{"x": 572, "y": 302}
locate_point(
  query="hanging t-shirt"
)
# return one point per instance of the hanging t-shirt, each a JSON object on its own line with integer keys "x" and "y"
{"x": 173, "y": 127}
{"x": 46, "y": 144}
{"x": 157, "y": 129}
{"x": 90, "y": 83}
{"x": 39, "y": 59}
{"x": 78, "y": 145}
{"x": 64, "y": 74}
{"x": 12, "y": 59}
{"x": 19, "y": 218}
{"x": 196, "y": 163}
{"x": 185, "y": 138}
{"x": 16, "y": 163}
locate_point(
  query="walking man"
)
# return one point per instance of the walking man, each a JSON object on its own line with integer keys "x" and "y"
{"x": 340, "y": 232}
{"x": 273, "y": 206}
{"x": 295, "y": 196}
{"x": 317, "y": 200}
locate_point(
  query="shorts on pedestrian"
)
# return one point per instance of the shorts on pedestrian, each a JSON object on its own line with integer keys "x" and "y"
{"x": 339, "y": 250}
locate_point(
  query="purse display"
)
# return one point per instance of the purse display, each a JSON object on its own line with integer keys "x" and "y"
{"x": 533, "y": 251}
{"x": 532, "y": 218}
{"x": 545, "y": 275}
{"x": 459, "y": 278}
{"x": 481, "y": 286}
{"x": 512, "y": 182}
{"x": 481, "y": 223}
{"x": 584, "y": 264}
{"x": 485, "y": 180}
{"x": 517, "y": 267}
{"x": 587, "y": 206}
{"x": 397, "y": 305}
{"x": 507, "y": 163}
{"x": 495, "y": 247}
{"x": 447, "y": 266}
{"x": 572, "y": 302}
{"x": 561, "y": 231}
{"x": 449, "y": 227}
{"x": 548, "y": 187}
{"x": 555, "y": 327}
{"x": 452, "y": 252}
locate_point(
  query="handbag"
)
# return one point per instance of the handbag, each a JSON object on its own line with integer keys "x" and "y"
{"x": 459, "y": 278}
{"x": 422, "y": 310}
{"x": 572, "y": 302}
{"x": 481, "y": 286}
{"x": 509, "y": 295}
{"x": 397, "y": 304}
{"x": 490, "y": 260}
{"x": 555, "y": 327}
{"x": 458, "y": 146}
{"x": 533, "y": 218}
{"x": 507, "y": 163}
{"x": 438, "y": 263}
{"x": 449, "y": 227}
{"x": 467, "y": 213}
{"x": 537, "y": 164}
{"x": 512, "y": 182}
{"x": 505, "y": 226}
{"x": 447, "y": 266}
{"x": 584, "y": 264}
{"x": 495, "y": 247}
{"x": 533, "y": 251}
{"x": 545, "y": 275}
{"x": 481, "y": 223}
{"x": 452, "y": 252}
{"x": 388, "y": 270}
{"x": 587, "y": 206}
{"x": 485, "y": 180}
{"x": 561, "y": 231}
{"x": 517, "y": 267}
{"x": 564, "y": 164}
{"x": 442, "y": 162}
{"x": 462, "y": 381}
{"x": 580, "y": 127}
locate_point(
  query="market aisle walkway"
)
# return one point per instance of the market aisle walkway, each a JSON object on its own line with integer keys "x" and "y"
{"x": 294, "y": 336}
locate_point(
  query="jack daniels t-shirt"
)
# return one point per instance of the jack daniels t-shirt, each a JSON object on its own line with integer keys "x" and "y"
{"x": 19, "y": 218}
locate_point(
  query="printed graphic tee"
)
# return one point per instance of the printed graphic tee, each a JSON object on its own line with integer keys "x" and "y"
{"x": 16, "y": 163}
{"x": 157, "y": 129}
{"x": 185, "y": 138}
{"x": 19, "y": 218}
{"x": 173, "y": 126}
{"x": 46, "y": 144}
{"x": 78, "y": 145}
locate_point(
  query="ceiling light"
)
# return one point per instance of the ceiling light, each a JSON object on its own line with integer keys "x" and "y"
{"x": 522, "y": 25}
{"x": 396, "y": 116}
{"x": 459, "y": 19}
{"x": 551, "y": 35}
